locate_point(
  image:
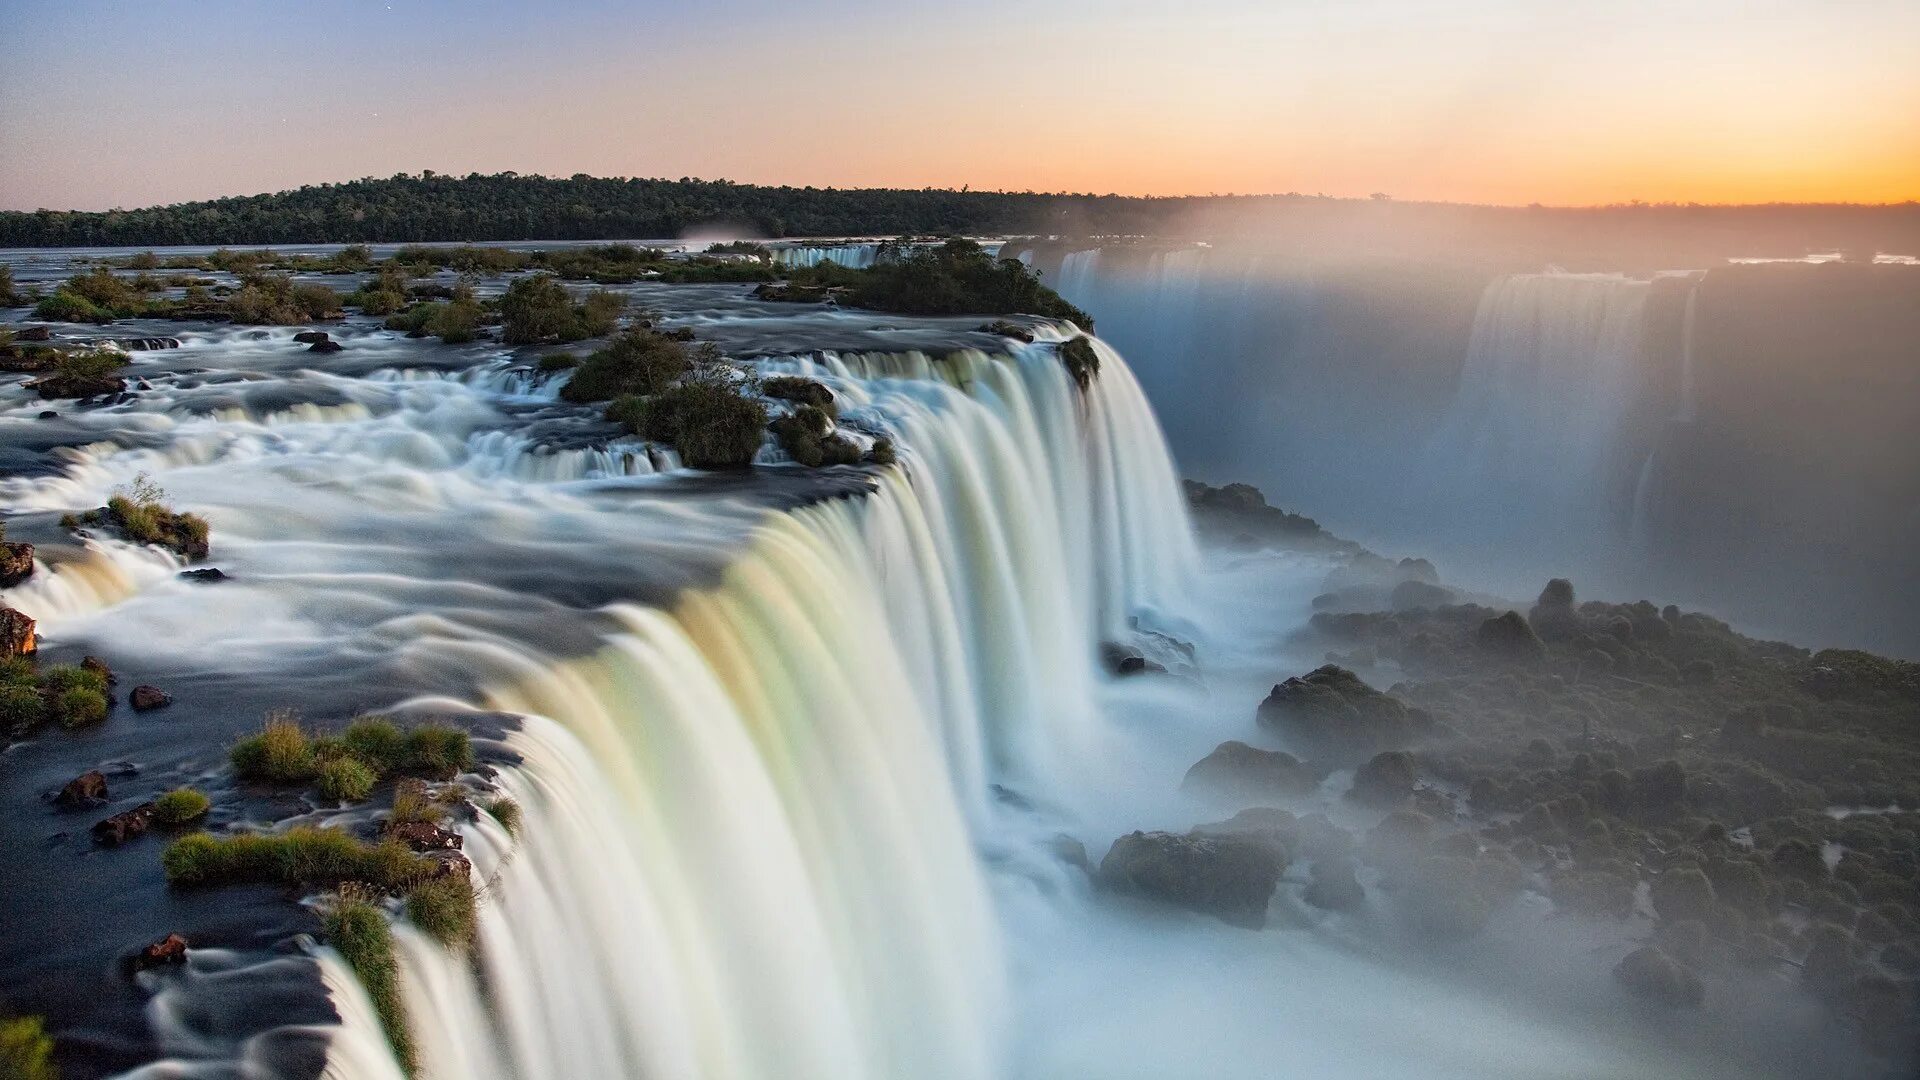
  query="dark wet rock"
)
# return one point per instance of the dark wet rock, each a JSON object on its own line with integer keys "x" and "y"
{"x": 328, "y": 346}
{"x": 17, "y": 636}
{"x": 312, "y": 337}
{"x": 147, "y": 344}
{"x": 1235, "y": 769}
{"x": 1334, "y": 886}
{"x": 1386, "y": 780}
{"x": 206, "y": 575}
{"x": 1009, "y": 330}
{"x": 1229, "y": 877}
{"x": 1509, "y": 637}
{"x": 49, "y": 414}
{"x": 125, "y": 825}
{"x": 77, "y": 386}
{"x": 1553, "y": 617}
{"x": 1650, "y": 973}
{"x": 34, "y": 333}
{"x": 449, "y": 864}
{"x": 168, "y": 951}
{"x": 83, "y": 792}
{"x": 1070, "y": 850}
{"x": 425, "y": 836}
{"x": 1416, "y": 595}
{"x": 16, "y": 564}
{"x": 1334, "y": 716}
{"x": 147, "y": 698}
{"x": 1124, "y": 661}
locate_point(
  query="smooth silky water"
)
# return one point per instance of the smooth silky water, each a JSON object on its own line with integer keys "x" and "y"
{"x": 794, "y": 749}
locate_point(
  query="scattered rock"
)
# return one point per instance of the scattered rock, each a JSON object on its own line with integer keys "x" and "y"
{"x": 16, "y": 564}
{"x": 1235, "y": 769}
{"x": 328, "y": 346}
{"x": 16, "y": 634}
{"x": 1386, "y": 780}
{"x": 1332, "y": 715}
{"x": 169, "y": 950}
{"x": 34, "y": 333}
{"x": 147, "y": 698}
{"x": 1649, "y": 973}
{"x": 84, "y": 792}
{"x": 206, "y": 575}
{"x": 1334, "y": 886}
{"x": 312, "y": 337}
{"x": 1553, "y": 617}
{"x": 49, "y": 414}
{"x": 1229, "y": 877}
{"x": 1510, "y": 637}
{"x": 425, "y": 836}
{"x": 125, "y": 825}
{"x": 1416, "y": 595}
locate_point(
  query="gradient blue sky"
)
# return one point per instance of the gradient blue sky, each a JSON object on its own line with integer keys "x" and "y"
{"x": 127, "y": 104}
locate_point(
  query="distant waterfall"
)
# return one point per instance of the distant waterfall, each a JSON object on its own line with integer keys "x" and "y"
{"x": 851, "y": 256}
{"x": 1552, "y": 372}
{"x": 747, "y": 837}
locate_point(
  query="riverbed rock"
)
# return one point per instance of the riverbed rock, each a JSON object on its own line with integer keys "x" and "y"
{"x": 16, "y": 634}
{"x": 124, "y": 825}
{"x": 34, "y": 333}
{"x": 1229, "y": 877}
{"x": 1334, "y": 887}
{"x": 148, "y": 698}
{"x": 328, "y": 346}
{"x": 206, "y": 575}
{"x": 16, "y": 563}
{"x": 77, "y": 386}
{"x": 312, "y": 337}
{"x": 1385, "y": 781}
{"x": 1334, "y": 717}
{"x": 449, "y": 864}
{"x": 425, "y": 836}
{"x": 83, "y": 792}
{"x": 1509, "y": 637}
{"x": 1553, "y": 617}
{"x": 1650, "y": 973}
{"x": 1416, "y": 595}
{"x": 166, "y": 952}
{"x": 1236, "y": 770}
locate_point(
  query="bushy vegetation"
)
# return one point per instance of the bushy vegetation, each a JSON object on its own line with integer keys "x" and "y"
{"x": 278, "y": 300}
{"x": 454, "y": 321}
{"x": 799, "y": 390}
{"x": 640, "y": 361}
{"x": 349, "y": 765}
{"x": 709, "y": 416}
{"x": 180, "y": 806}
{"x": 82, "y": 373}
{"x": 300, "y": 856}
{"x": 806, "y": 434}
{"x": 538, "y": 308}
{"x": 9, "y": 295}
{"x": 957, "y": 277}
{"x": 73, "y": 697}
{"x": 358, "y": 930}
{"x": 1082, "y": 362}
{"x": 26, "y": 1050}
{"x": 507, "y": 813}
{"x": 140, "y": 511}
{"x": 444, "y": 909}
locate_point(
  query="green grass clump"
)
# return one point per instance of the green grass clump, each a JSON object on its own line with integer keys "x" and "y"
{"x": 414, "y": 805}
{"x": 640, "y": 361}
{"x": 179, "y": 806}
{"x": 299, "y": 856}
{"x": 26, "y": 1050}
{"x": 63, "y": 678}
{"x": 444, "y": 909}
{"x": 798, "y": 389}
{"x": 78, "y": 707}
{"x": 346, "y": 779}
{"x": 507, "y": 813}
{"x": 377, "y": 741}
{"x": 805, "y": 435}
{"x": 358, "y": 929}
{"x": 437, "y": 750}
{"x": 280, "y": 754}
{"x": 141, "y": 511}
{"x": 21, "y": 708}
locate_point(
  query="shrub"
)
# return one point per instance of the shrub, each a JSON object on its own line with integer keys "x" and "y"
{"x": 1082, "y": 362}
{"x": 954, "y": 278}
{"x": 9, "y": 297}
{"x": 179, "y": 806}
{"x": 636, "y": 362}
{"x": 79, "y": 707}
{"x": 21, "y": 709}
{"x": 599, "y": 313}
{"x": 881, "y": 453}
{"x": 507, "y": 813}
{"x": 706, "y": 417}
{"x": 276, "y": 300}
{"x": 280, "y": 754}
{"x": 26, "y": 1050}
{"x": 345, "y": 779}
{"x": 359, "y": 931}
{"x": 60, "y": 679}
{"x": 300, "y": 856}
{"x": 89, "y": 366}
{"x": 538, "y": 308}
{"x": 559, "y": 362}
{"x": 800, "y": 390}
{"x": 444, "y": 909}
{"x": 65, "y": 305}
{"x": 140, "y": 510}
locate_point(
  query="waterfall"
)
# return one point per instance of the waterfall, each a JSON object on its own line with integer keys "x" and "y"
{"x": 851, "y": 256}
{"x": 750, "y": 820}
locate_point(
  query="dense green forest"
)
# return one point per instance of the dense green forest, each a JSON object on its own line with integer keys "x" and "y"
{"x": 508, "y": 206}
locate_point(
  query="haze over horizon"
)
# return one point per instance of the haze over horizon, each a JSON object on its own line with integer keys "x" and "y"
{"x": 1484, "y": 102}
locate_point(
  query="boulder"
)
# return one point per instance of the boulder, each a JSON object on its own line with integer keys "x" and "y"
{"x": 1334, "y": 886}
{"x": 125, "y": 825}
{"x": 16, "y": 634}
{"x": 312, "y": 337}
{"x": 206, "y": 575}
{"x": 84, "y": 792}
{"x": 77, "y": 386}
{"x": 147, "y": 698}
{"x": 1332, "y": 716}
{"x": 1651, "y": 974}
{"x": 16, "y": 564}
{"x": 168, "y": 951}
{"x": 1236, "y": 770}
{"x": 425, "y": 836}
{"x": 328, "y": 346}
{"x": 1415, "y": 595}
{"x": 34, "y": 333}
{"x": 1509, "y": 637}
{"x": 1231, "y": 878}
{"x": 48, "y": 414}
{"x": 1385, "y": 781}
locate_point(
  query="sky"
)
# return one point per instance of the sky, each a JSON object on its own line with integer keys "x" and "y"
{"x": 120, "y": 104}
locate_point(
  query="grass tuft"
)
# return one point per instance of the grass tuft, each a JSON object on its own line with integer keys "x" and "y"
{"x": 181, "y": 805}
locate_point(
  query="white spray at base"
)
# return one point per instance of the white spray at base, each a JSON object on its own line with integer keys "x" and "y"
{"x": 749, "y": 823}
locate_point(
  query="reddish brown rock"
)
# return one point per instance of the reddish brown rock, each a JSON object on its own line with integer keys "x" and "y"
{"x": 99, "y": 667}
{"x": 125, "y": 825}
{"x": 16, "y": 564}
{"x": 148, "y": 698}
{"x": 16, "y": 634}
{"x": 169, "y": 950}
{"x": 449, "y": 864}
{"x": 85, "y": 791}
{"x": 425, "y": 836}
